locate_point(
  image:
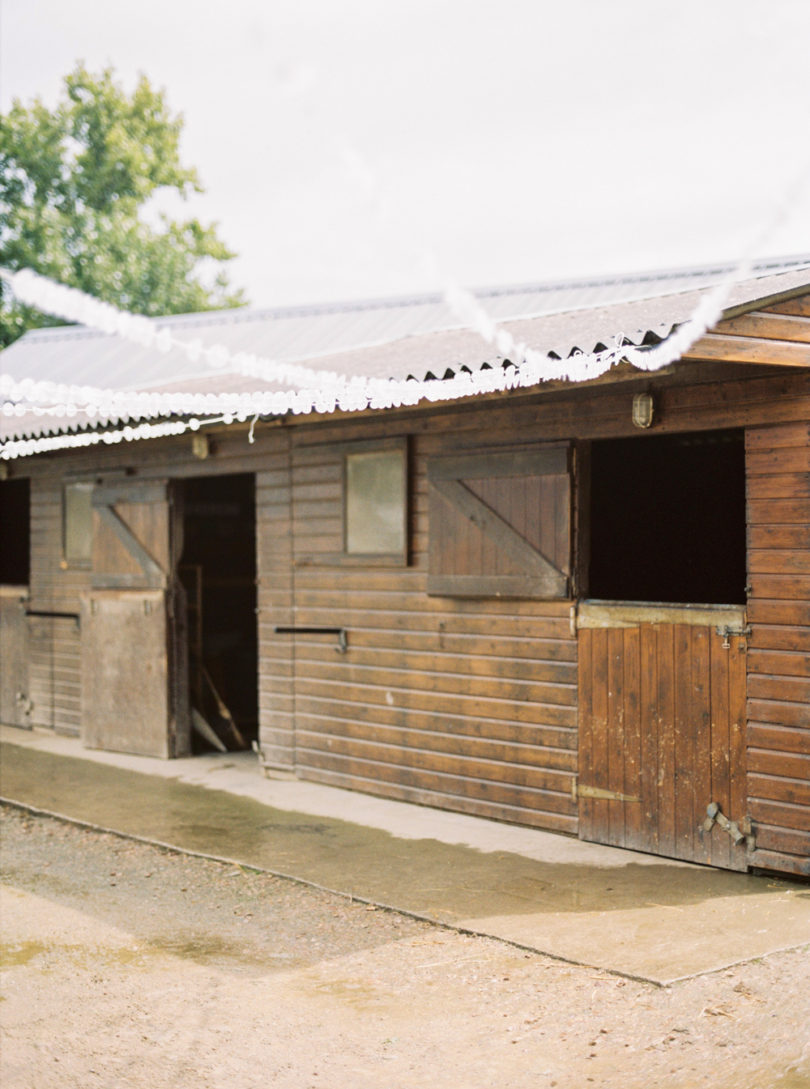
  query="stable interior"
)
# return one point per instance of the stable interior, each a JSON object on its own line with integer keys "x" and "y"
{"x": 667, "y": 519}
{"x": 218, "y": 572}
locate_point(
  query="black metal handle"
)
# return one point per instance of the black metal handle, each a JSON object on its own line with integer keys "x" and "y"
{"x": 341, "y": 633}
{"x": 54, "y": 615}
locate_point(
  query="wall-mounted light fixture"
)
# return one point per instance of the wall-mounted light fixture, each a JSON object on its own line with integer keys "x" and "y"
{"x": 200, "y": 446}
{"x": 643, "y": 410}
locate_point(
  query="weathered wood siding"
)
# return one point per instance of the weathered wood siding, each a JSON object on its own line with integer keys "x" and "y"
{"x": 466, "y": 704}
{"x": 662, "y": 722}
{"x": 54, "y": 642}
{"x": 776, "y": 333}
{"x": 55, "y": 586}
{"x": 778, "y": 474}
{"x": 274, "y": 552}
{"x": 14, "y": 706}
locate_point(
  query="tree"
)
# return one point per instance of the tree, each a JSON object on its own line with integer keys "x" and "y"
{"x": 75, "y": 185}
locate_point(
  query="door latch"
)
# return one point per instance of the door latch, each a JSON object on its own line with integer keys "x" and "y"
{"x": 728, "y": 630}
{"x": 714, "y": 815}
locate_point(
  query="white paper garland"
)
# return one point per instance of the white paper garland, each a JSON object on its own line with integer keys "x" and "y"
{"x": 320, "y": 391}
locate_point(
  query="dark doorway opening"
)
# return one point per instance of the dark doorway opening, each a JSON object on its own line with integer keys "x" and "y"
{"x": 218, "y": 572}
{"x": 15, "y": 537}
{"x": 667, "y": 518}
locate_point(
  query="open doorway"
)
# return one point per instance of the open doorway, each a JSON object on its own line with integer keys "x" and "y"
{"x": 218, "y": 572}
{"x": 15, "y": 540}
{"x": 667, "y": 519}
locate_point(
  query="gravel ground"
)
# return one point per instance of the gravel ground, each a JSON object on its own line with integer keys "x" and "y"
{"x": 128, "y": 966}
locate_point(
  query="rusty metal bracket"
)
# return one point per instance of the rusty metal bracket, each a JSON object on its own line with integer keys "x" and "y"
{"x": 578, "y": 791}
{"x": 729, "y": 630}
{"x": 714, "y": 815}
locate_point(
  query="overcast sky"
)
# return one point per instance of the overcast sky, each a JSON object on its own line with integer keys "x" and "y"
{"x": 344, "y": 143}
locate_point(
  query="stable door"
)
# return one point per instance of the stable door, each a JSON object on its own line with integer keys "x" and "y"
{"x": 134, "y": 694}
{"x": 662, "y": 731}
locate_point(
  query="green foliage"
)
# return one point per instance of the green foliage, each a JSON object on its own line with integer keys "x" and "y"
{"x": 75, "y": 183}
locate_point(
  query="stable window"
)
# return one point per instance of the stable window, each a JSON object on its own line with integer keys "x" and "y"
{"x": 500, "y": 524}
{"x": 15, "y": 537}
{"x": 375, "y": 486}
{"x": 77, "y": 523}
{"x": 667, "y": 519}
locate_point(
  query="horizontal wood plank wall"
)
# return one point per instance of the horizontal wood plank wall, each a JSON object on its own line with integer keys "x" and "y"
{"x": 274, "y": 569}
{"x": 463, "y": 704}
{"x": 473, "y": 656}
{"x": 54, "y": 641}
{"x": 778, "y": 471}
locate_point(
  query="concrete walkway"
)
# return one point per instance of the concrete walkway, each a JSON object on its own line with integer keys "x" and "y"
{"x": 630, "y": 913}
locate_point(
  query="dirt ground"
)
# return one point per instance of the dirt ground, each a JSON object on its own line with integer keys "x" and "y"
{"x": 127, "y": 966}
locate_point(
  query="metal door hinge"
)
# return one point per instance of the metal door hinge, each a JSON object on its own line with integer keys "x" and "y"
{"x": 578, "y": 791}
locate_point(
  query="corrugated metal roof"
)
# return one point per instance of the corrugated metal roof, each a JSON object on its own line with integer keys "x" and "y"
{"x": 395, "y": 338}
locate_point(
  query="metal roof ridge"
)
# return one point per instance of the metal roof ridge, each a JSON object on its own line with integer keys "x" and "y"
{"x": 764, "y": 266}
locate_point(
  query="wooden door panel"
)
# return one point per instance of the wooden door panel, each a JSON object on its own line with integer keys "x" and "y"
{"x": 500, "y": 524}
{"x": 632, "y": 814}
{"x": 131, "y": 535}
{"x": 14, "y": 656}
{"x": 134, "y": 694}
{"x": 125, "y": 687}
{"x": 661, "y": 711}
{"x": 721, "y": 754}
{"x": 646, "y": 818}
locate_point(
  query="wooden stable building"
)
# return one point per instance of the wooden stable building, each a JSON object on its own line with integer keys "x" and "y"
{"x": 540, "y": 606}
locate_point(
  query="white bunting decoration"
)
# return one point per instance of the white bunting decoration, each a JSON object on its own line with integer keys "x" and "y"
{"x": 318, "y": 391}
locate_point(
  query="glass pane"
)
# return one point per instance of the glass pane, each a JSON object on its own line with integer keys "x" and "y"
{"x": 375, "y": 502}
{"x": 78, "y": 522}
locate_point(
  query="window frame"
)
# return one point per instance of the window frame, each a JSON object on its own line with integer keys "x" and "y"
{"x": 344, "y": 558}
{"x": 397, "y": 557}
{"x": 83, "y": 560}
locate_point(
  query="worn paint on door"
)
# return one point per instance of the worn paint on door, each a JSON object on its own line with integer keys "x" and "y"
{"x": 661, "y": 738}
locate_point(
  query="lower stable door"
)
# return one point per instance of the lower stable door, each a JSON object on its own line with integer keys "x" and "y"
{"x": 662, "y": 731}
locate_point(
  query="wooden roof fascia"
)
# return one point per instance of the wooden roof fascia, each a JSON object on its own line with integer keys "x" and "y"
{"x": 798, "y": 306}
{"x": 731, "y": 348}
{"x": 772, "y": 331}
{"x": 768, "y": 326}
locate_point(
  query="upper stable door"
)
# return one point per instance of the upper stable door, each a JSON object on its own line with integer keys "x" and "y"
{"x": 500, "y": 524}
{"x": 134, "y": 691}
{"x": 662, "y": 648}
